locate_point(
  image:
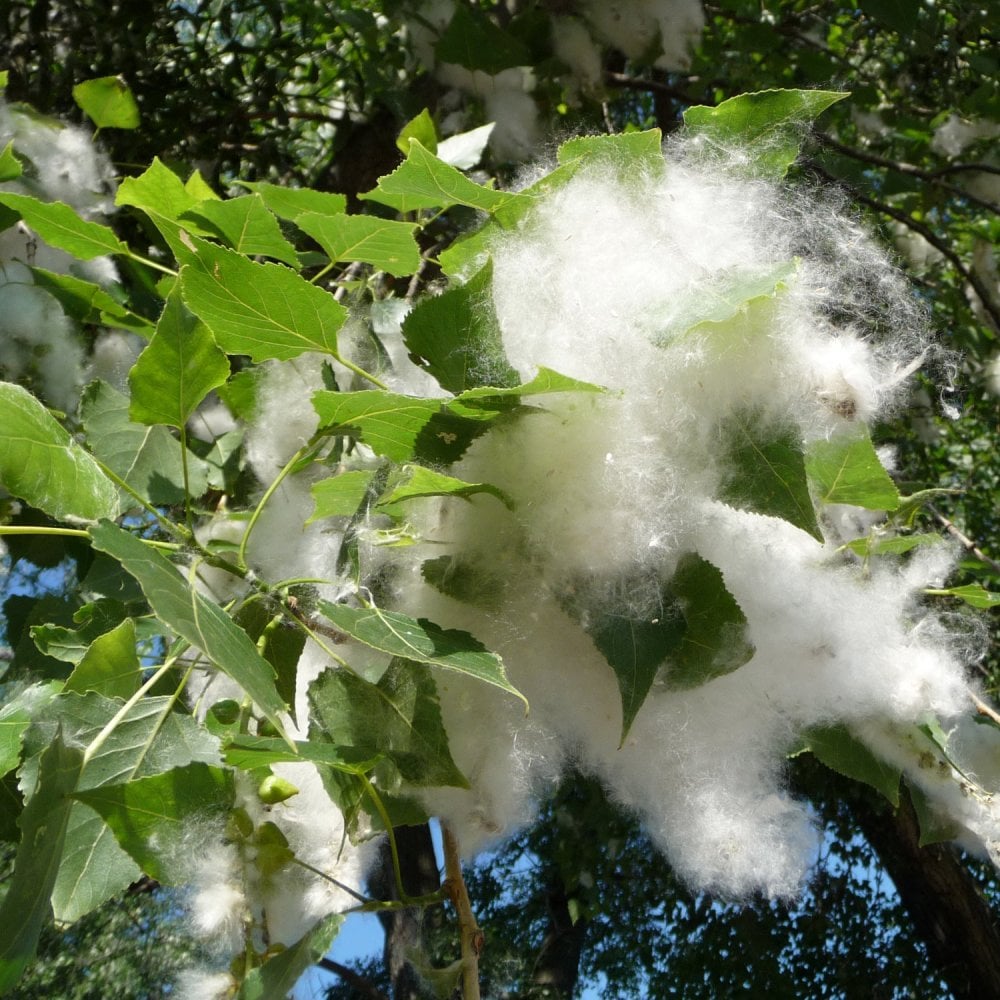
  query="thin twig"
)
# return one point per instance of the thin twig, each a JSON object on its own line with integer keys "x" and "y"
{"x": 931, "y": 176}
{"x": 470, "y": 936}
{"x": 358, "y": 982}
{"x": 983, "y": 709}
{"x": 969, "y": 544}
{"x": 942, "y": 246}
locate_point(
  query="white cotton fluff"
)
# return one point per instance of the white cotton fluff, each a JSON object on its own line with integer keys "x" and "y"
{"x": 217, "y": 902}
{"x": 573, "y": 45}
{"x": 296, "y": 899}
{"x": 660, "y": 30}
{"x": 203, "y": 984}
{"x": 602, "y": 283}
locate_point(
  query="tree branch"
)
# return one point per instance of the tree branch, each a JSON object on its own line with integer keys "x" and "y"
{"x": 967, "y": 542}
{"x": 470, "y": 936}
{"x": 364, "y": 986}
{"x": 918, "y": 227}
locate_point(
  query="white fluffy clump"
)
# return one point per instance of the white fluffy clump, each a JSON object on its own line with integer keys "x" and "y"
{"x": 39, "y": 345}
{"x": 603, "y": 283}
{"x": 634, "y": 26}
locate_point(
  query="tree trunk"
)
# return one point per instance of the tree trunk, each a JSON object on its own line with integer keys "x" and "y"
{"x": 404, "y": 928}
{"x": 942, "y": 898}
{"x": 557, "y": 967}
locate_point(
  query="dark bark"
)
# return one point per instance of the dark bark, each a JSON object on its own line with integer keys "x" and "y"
{"x": 557, "y": 967}
{"x": 942, "y": 898}
{"x": 404, "y": 928}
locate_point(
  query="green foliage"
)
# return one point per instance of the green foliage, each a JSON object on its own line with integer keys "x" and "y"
{"x": 93, "y": 818}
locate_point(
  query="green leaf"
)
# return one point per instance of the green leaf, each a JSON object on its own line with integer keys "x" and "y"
{"x": 340, "y": 495}
{"x": 386, "y": 421}
{"x": 26, "y": 906}
{"x": 545, "y": 382}
{"x": 290, "y": 203}
{"x": 424, "y": 181}
{"x": 388, "y": 246}
{"x": 873, "y": 545}
{"x": 158, "y": 192}
{"x": 41, "y": 464}
{"x": 202, "y": 623}
{"x": 842, "y": 752}
{"x": 416, "y": 481}
{"x": 199, "y": 188}
{"x": 177, "y": 370}
{"x": 474, "y": 41}
{"x": 764, "y": 471}
{"x": 635, "y": 155}
{"x": 636, "y": 643}
{"x": 10, "y": 165}
{"x": 769, "y": 123}
{"x": 715, "y": 305}
{"x": 71, "y": 644}
{"x": 420, "y": 127}
{"x": 252, "y": 752}
{"x": 147, "y": 458}
{"x": 148, "y": 815}
{"x": 456, "y": 337}
{"x": 107, "y": 102}
{"x": 264, "y": 310}
{"x": 278, "y": 976}
{"x": 846, "y": 469}
{"x": 936, "y": 826}
{"x": 15, "y": 717}
{"x": 246, "y": 225}
{"x": 398, "y": 718}
{"x": 88, "y": 302}
{"x": 715, "y": 641}
{"x": 110, "y": 665}
{"x": 899, "y": 15}
{"x": 61, "y": 227}
{"x": 974, "y": 594}
{"x": 419, "y": 640}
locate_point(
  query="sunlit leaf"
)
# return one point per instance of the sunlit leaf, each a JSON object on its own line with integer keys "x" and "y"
{"x": 387, "y": 245}
{"x": 264, "y": 310}
{"x": 289, "y": 203}
{"x": 246, "y": 225}
{"x": 767, "y": 123}
{"x": 420, "y": 127}
{"x": 10, "y": 165}
{"x": 278, "y": 976}
{"x": 107, "y": 102}
{"x": 177, "y": 370}
{"x": 416, "y": 481}
{"x": 846, "y": 469}
{"x": 340, "y": 495}
{"x": 61, "y": 227}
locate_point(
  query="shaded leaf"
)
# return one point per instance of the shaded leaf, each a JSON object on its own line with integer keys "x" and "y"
{"x": 278, "y": 976}
{"x": 765, "y": 472}
{"x": 893, "y": 545}
{"x": 474, "y": 41}
{"x": 10, "y": 165}
{"x": 26, "y": 907}
{"x": 147, "y": 458}
{"x": 252, "y": 752}
{"x": 202, "y": 623}
{"x": 456, "y": 337}
{"x": 419, "y": 640}
{"x": 41, "y": 464}
{"x": 110, "y": 665}
{"x": 148, "y": 815}
{"x": 974, "y": 594}
{"x": 88, "y": 302}
{"x": 416, "y": 481}
{"x": 399, "y": 718}
{"x": 841, "y": 751}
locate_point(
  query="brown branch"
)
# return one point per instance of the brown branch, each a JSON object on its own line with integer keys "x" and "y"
{"x": 627, "y": 82}
{"x": 967, "y": 542}
{"x": 470, "y": 936}
{"x": 918, "y": 227}
{"x": 932, "y": 177}
{"x": 363, "y": 986}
